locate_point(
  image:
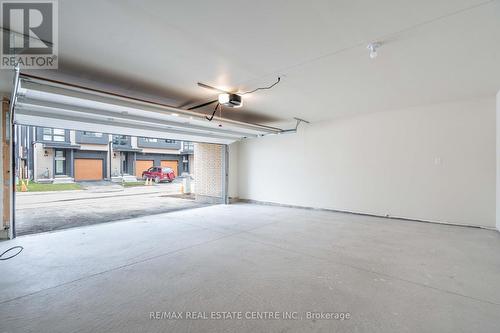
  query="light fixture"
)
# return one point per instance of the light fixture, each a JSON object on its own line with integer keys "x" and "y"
{"x": 175, "y": 114}
{"x": 372, "y": 47}
{"x": 230, "y": 100}
{"x": 224, "y": 98}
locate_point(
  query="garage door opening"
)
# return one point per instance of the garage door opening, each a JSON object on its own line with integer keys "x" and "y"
{"x": 68, "y": 178}
{"x": 83, "y": 156}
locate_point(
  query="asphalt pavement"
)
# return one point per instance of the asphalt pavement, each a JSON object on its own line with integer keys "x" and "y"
{"x": 99, "y": 202}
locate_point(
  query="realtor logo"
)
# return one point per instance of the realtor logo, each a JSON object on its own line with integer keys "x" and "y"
{"x": 29, "y": 34}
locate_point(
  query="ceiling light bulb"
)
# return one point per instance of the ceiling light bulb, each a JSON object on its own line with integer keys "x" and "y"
{"x": 223, "y": 98}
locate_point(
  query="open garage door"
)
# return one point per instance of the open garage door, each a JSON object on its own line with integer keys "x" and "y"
{"x": 42, "y": 102}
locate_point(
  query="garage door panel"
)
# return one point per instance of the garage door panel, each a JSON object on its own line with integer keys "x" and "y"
{"x": 88, "y": 169}
{"x": 142, "y": 165}
{"x": 47, "y": 103}
{"x": 172, "y": 164}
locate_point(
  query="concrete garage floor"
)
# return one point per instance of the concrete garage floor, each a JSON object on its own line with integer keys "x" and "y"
{"x": 100, "y": 202}
{"x": 390, "y": 275}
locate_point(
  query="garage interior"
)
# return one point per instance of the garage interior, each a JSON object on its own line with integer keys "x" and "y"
{"x": 348, "y": 174}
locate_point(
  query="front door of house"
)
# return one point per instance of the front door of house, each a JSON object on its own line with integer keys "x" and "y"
{"x": 60, "y": 162}
{"x": 124, "y": 163}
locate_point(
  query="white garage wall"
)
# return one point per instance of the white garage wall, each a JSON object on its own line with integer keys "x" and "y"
{"x": 433, "y": 163}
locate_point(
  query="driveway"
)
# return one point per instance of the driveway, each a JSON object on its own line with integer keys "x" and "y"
{"x": 98, "y": 203}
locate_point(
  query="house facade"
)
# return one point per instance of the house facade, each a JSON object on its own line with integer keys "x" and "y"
{"x": 58, "y": 155}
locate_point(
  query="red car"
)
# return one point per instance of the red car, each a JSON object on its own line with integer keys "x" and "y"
{"x": 159, "y": 174}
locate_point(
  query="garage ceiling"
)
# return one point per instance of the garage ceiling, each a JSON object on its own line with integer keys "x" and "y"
{"x": 434, "y": 51}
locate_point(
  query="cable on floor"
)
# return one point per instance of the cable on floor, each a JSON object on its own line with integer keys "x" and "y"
{"x": 20, "y": 248}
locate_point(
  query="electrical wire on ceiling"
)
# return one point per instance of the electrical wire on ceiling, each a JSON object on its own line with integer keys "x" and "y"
{"x": 219, "y": 105}
{"x": 262, "y": 88}
{"x": 213, "y": 113}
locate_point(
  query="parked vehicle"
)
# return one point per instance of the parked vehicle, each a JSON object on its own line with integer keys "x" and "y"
{"x": 159, "y": 174}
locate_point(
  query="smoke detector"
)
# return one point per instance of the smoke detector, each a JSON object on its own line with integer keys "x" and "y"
{"x": 372, "y": 47}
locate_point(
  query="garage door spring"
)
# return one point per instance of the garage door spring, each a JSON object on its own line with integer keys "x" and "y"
{"x": 20, "y": 248}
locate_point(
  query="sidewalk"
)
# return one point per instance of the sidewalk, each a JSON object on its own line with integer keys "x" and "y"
{"x": 93, "y": 193}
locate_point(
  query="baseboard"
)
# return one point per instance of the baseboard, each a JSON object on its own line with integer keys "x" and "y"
{"x": 268, "y": 203}
{"x": 233, "y": 200}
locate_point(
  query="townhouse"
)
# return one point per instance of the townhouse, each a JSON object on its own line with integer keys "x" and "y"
{"x": 55, "y": 155}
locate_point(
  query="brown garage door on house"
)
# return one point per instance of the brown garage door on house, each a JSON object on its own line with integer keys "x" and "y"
{"x": 141, "y": 166}
{"x": 171, "y": 164}
{"x": 88, "y": 169}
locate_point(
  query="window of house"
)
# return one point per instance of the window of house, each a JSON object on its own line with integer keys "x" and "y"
{"x": 155, "y": 140}
{"x": 188, "y": 145}
{"x": 93, "y": 134}
{"x": 121, "y": 140}
{"x": 54, "y": 134}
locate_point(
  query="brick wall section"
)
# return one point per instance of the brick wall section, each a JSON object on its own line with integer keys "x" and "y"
{"x": 208, "y": 171}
